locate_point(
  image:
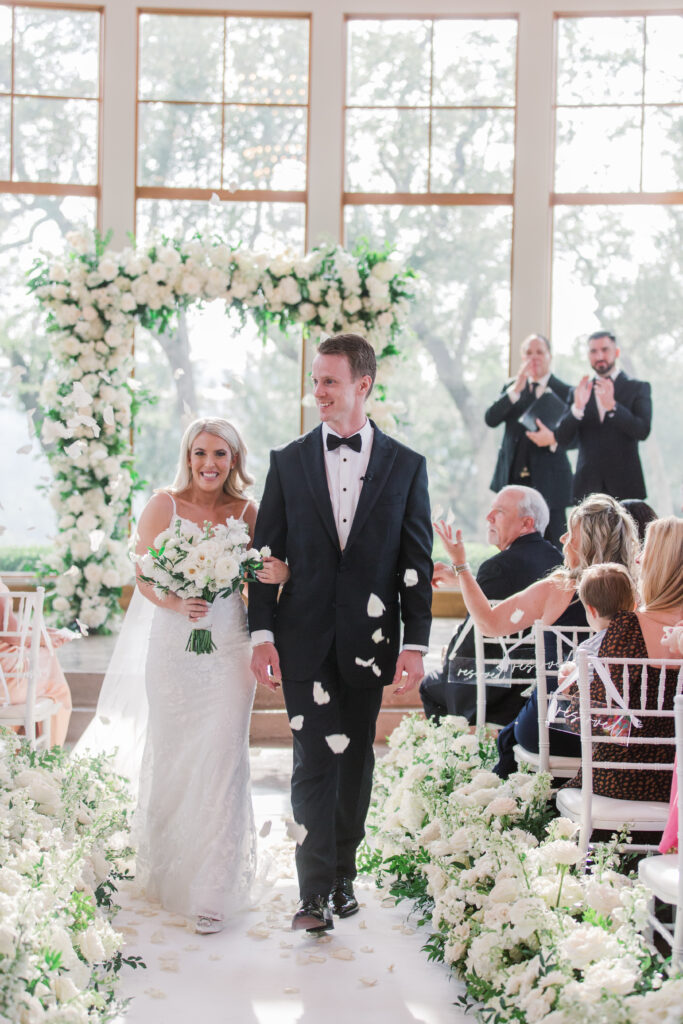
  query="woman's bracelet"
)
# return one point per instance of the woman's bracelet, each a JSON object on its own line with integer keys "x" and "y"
{"x": 457, "y": 569}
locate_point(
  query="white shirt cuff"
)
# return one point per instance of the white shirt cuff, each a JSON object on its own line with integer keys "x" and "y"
{"x": 512, "y": 394}
{"x": 262, "y": 636}
{"x": 415, "y": 647}
{"x": 577, "y": 413}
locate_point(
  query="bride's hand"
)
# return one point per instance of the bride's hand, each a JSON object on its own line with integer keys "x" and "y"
{"x": 453, "y": 545}
{"x": 273, "y": 571}
{"x": 193, "y": 608}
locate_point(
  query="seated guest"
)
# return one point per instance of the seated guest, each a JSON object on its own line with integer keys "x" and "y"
{"x": 51, "y": 682}
{"x": 642, "y": 514}
{"x": 516, "y": 522}
{"x": 600, "y": 530}
{"x": 640, "y": 634}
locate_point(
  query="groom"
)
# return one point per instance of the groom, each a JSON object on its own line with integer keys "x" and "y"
{"x": 348, "y": 508}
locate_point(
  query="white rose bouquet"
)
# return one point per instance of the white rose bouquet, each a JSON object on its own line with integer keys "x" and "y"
{"x": 207, "y": 562}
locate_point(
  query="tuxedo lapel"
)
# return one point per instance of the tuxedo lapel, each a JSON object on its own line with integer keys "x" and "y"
{"x": 313, "y": 462}
{"x": 382, "y": 459}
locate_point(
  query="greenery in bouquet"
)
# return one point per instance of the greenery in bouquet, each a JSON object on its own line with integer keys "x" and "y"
{"x": 207, "y": 562}
{"x": 500, "y": 880}
{"x": 64, "y": 842}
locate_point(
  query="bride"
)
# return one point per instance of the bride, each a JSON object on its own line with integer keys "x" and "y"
{"x": 193, "y": 823}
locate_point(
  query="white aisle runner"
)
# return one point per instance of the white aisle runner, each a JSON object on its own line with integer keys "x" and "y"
{"x": 369, "y": 970}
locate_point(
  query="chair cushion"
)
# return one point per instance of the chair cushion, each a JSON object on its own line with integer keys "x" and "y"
{"x": 14, "y": 714}
{"x": 660, "y": 874}
{"x": 560, "y": 767}
{"x": 608, "y": 813}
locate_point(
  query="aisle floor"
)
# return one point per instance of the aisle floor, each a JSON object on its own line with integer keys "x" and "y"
{"x": 370, "y": 968}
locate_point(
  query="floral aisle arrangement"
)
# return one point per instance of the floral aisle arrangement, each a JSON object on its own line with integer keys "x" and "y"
{"x": 63, "y": 838}
{"x": 94, "y": 297}
{"x": 207, "y": 562}
{"x": 533, "y": 937}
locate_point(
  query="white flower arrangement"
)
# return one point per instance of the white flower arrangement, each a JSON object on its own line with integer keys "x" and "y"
{"x": 207, "y": 562}
{"x": 94, "y": 298}
{"x": 533, "y": 936}
{"x": 63, "y": 831}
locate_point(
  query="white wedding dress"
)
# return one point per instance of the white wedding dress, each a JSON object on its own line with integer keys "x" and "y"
{"x": 193, "y": 825}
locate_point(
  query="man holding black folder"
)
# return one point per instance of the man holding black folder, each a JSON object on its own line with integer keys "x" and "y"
{"x": 532, "y": 457}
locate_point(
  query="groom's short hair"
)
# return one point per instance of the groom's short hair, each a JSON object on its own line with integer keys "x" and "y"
{"x": 358, "y": 351}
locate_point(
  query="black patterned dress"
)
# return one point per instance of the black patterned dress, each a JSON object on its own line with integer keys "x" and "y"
{"x": 624, "y": 639}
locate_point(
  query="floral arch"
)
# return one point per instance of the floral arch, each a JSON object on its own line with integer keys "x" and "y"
{"x": 94, "y": 298}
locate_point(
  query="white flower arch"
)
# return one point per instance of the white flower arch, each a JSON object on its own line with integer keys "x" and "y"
{"x": 94, "y": 298}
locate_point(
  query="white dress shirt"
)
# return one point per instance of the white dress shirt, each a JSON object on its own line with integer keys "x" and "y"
{"x": 542, "y": 383}
{"x": 578, "y": 413}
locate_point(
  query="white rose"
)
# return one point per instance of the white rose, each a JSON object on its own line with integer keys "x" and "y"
{"x": 108, "y": 268}
{"x": 352, "y": 304}
{"x": 386, "y": 269}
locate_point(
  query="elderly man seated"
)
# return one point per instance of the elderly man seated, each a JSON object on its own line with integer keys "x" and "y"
{"x": 516, "y": 522}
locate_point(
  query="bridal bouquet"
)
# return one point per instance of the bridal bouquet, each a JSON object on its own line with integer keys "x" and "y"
{"x": 207, "y": 562}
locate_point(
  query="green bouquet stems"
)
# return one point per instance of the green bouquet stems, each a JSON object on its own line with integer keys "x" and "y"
{"x": 200, "y": 641}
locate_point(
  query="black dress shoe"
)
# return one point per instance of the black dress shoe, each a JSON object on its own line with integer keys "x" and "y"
{"x": 343, "y": 898}
{"x": 314, "y": 915}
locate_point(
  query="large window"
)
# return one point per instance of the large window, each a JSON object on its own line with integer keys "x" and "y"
{"x": 619, "y": 212}
{"x": 222, "y": 149}
{"x": 49, "y": 183}
{"x": 430, "y": 124}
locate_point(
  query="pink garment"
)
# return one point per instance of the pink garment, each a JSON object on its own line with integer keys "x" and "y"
{"x": 670, "y": 833}
{"x": 51, "y": 683}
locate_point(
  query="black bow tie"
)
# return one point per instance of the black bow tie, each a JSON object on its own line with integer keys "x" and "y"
{"x": 333, "y": 442}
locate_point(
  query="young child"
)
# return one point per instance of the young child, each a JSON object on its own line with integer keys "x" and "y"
{"x": 604, "y": 590}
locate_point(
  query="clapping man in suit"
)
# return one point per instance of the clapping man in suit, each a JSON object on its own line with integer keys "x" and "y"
{"x": 533, "y": 458}
{"x": 609, "y": 415}
{"x": 348, "y": 508}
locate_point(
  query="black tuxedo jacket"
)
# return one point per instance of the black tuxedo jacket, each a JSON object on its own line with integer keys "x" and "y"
{"x": 324, "y": 603}
{"x": 529, "y": 558}
{"x": 608, "y": 460}
{"x": 550, "y": 471}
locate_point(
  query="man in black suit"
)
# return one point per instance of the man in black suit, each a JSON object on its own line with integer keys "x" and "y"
{"x": 348, "y": 508}
{"x": 533, "y": 458}
{"x": 516, "y": 522}
{"x": 609, "y": 415}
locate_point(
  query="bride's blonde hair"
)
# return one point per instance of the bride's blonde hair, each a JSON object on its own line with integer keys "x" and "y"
{"x": 238, "y": 479}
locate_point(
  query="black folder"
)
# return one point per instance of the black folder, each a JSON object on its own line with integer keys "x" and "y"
{"x": 549, "y": 409}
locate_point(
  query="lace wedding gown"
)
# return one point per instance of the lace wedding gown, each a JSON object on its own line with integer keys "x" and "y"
{"x": 193, "y": 825}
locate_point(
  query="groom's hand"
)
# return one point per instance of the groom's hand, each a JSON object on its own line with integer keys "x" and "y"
{"x": 410, "y": 665}
{"x": 263, "y": 657}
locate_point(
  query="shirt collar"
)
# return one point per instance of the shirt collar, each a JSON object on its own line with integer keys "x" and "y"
{"x": 365, "y": 434}
{"x": 543, "y": 381}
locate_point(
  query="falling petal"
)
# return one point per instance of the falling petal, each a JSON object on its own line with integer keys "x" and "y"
{"x": 104, "y": 720}
{"x": 155, "y": 993}
{"x": 377, "y": 636}
{"x": 362, "y": 924}
{"x": 450, "y": 517}
{"x": 367, "y": 949}
{"x": 75, "y": 449}
{"x": 320, "y": 695}
{"x": 368, "y": 982}
{"x": 84, "y": 632}
{"x": 73, "y": 570}
{"x": 377, "y": 670}
{"x": 158, "y": 938}
{"x": 337, "y": 742}
{"x": 192, "y": 948}
{"x": 405, "y": 930}
{"x": 297, "y": 722}
{"x": 390, "y": 968}
{"x": 265, "y": 829}
{"x": 215, "y": 199}
{"x": 25, "y": 449}
{"x": 108, "y": 416}
{"x": 187, "y": 410}
{"x": 375, "y": 606}
{"x": 315, "y": 958}
{"x": 177, "y": 374}
{"x": 410, "y": 577}
{"x": 296, "y": 831}
{"x": 364, "y": 664}
{"x": 96, "y": 538}
{"x": 259, "y": 931}
{"x": 517, "y": 615}
{"x": 342, "y": 954}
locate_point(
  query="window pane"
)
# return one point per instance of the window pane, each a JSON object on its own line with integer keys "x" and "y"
{"x": 181, "y": 58}
{"x": 600, "y": 60}
{"x": 5, "y": 129}
{"x": 386, "y": 151}
{"x": 472, "y": 150}
{"x": 5, "y": 49}
{"x": 265, "y": 147}
{"x": 27, "y": 224}
{"x": 457, "y": 342}
{"x": 664, "y": 59}
{"x": 474, "y": 62}
{"x": 620, "y": 267}
{"x": 267, "y": 60}
{"x": 265, "y": 226}
{"x": 663, "y": 150}
{"x": 180, "y": 145}
{"x": 56, "y": 52}
{"x": 388, "y": 63}
{"x": 55, "y": 140}
{"x": 598, "y": 150}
